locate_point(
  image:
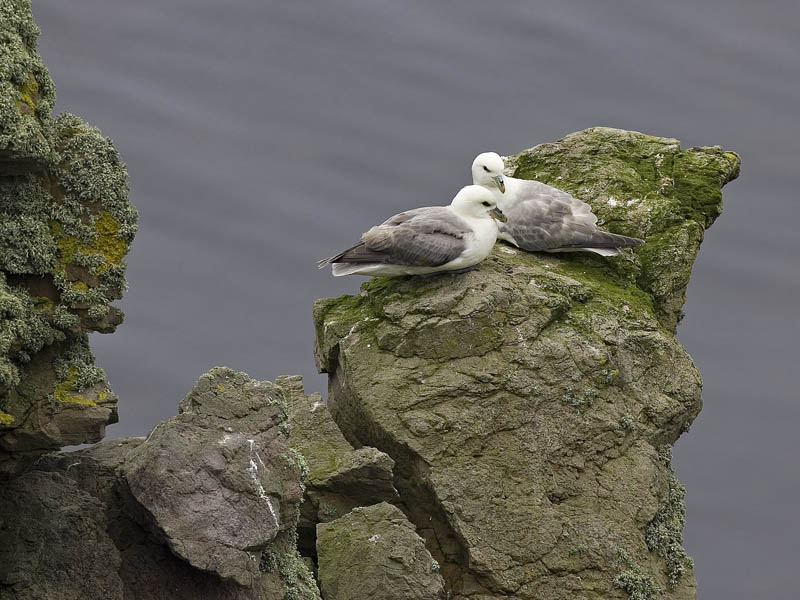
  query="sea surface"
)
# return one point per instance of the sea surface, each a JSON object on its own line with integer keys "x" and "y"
{"x": 262, "y": 136}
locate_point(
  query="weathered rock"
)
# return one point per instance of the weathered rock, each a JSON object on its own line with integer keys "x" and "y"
{"x": 133, "y": 559}
{"x": 219, "y": 480}
{"x": 529, "y": 406}
{"x": 27, "y": 94}
{"x": 644, "y": 186}
{"x": 339, "y": 477}
{"x": 65, "y": 227}
{"x": 53, "y": 542}
{"x": 375, "y": 553}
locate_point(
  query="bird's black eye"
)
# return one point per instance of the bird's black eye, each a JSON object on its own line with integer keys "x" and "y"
{"x": 486, "y": 203}
{"x": 485, "y": 168}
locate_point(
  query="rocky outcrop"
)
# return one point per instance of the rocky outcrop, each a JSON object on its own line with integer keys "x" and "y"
{"x": 504, "y": 433}
{"x": 339, "y": 478}
{"x": 375, "y": 553}
{"x": 65, "y": 227}
{"x": 530, "y": 406}
{"x": 205, "y": 507}
{"x": 219, "y": 481}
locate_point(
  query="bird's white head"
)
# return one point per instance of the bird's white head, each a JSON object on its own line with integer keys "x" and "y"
{"x": 487, "y": 170}
{"x": 476, "y": 202}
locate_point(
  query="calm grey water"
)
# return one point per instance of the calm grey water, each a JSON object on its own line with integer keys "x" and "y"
{"x": 261, "y": 136}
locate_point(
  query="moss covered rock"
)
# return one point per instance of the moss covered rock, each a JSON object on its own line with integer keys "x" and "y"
{"x": 644, "y": 186}
{"x": 530, "y": 405}
{"x": 65, "y": 227}
{"x": 375, "y": 553}
{"x": 27, "y": 94}
{"x": 340, "y": 477}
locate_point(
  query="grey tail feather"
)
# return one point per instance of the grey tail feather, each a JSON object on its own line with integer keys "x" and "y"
{"x": 321, "y": 264}
{"x": 332, "y": 259}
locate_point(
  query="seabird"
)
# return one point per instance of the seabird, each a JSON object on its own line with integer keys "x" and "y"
{"x": 541, "y": 217}
{"x": 426, "y": 240}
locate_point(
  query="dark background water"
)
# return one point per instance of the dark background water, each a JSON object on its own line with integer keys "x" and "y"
{"x": 261, "y": 136}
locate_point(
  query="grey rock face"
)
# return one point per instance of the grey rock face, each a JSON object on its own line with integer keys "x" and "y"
{"x": 375, "y": 553}
{"x": 72, "y": 529}
{"x": 219, "y": 480}
{"x": 529, "y": 406}
{"x": 53, "y": 542}
{"x": 339, "y": 477}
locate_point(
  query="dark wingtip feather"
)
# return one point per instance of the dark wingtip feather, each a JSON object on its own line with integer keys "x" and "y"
{"x": 604, "y": 239}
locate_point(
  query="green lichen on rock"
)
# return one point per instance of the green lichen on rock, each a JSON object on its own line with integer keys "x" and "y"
{"x": 283, "y": 558}
{"x": 337, "y": 476}
{"x": 374, "y": 552}
{"x": 65, "y": 226}
{"x": 665, "y": 532}
{"x": 27, "y": 94}
{"x": 645, "y": 186}
{"x": 551, "y": 380}
{"x": 637, "y": 583}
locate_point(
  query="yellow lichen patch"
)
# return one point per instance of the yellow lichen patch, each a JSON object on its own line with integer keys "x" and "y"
{"x": 220, "y": 387}
{"x": 6, "y": 420}
{"x": 79, "y": 286}
{"x": 106, "y": 244}
{"x": 43, "y": 304}
{"x": 28, "y": 96}
{"x": 63, "y": 391}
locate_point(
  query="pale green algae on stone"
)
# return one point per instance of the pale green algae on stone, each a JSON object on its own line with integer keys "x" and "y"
{"x": 529, "y": 405}
{"x": 66, "y": 225}
{"x": 27, "y": 94}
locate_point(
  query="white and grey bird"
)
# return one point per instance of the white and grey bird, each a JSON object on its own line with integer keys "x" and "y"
{"x": 426, "y": 240}
{"x": 541, "y": 217}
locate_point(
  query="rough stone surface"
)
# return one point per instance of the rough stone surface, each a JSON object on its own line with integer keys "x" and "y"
{"x": 530, "y": 405}
{"x": 375, "y": 553}
{"x": 339, "y": 477}
{"x": 48, "y": 514}
{"x": 219, "y": 480}
{"x": 65, "y": 227}
{"x": 53, "y": 542}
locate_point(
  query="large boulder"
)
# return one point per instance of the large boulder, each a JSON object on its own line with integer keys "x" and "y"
{"x": 530, "y": 406}
{"x": 340, "y": 477}
{"x": 375, "y": 553}
{"x": 182, "y": 514}
{"x": 65, "y": 227}
{"x": 219, "y": 481}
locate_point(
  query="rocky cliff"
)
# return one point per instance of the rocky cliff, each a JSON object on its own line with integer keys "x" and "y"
{"x": 65, "y": 227}
{"x": 531, "y": 406}
{"x": 504, "y": 433}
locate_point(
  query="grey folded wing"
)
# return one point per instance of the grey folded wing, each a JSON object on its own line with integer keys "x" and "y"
{"x": 425, "y": 237}
{"x": 546, "y": 218}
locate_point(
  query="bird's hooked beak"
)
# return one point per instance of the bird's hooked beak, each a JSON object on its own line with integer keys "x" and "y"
{"x": 500, "y": 183}
{"x": 496, "y": 213}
